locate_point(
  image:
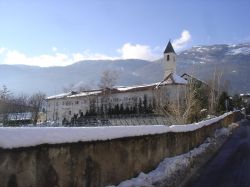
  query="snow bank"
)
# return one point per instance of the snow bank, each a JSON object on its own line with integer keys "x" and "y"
{"x": 14, "y": 137}
{"x": 169, "y": 168}
{"x": 168, "y": 171}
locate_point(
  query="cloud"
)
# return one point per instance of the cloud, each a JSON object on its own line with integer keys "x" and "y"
{"x": 137, "y": 51}
{"x": 2, "y": 50}
{"x": 46, "y": 60}
{"x": 16, "y": 57}
{"x": 87, "y": 55}
{"x": 181, "y": 42}
{"x": 56, "y": 58}
{"x": 54, "y": 49}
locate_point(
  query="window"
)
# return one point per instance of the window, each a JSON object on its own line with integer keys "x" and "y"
{"x": 77, "y": 102}
{"x": 168, "y": 57}
{"x": 69, "y": 112}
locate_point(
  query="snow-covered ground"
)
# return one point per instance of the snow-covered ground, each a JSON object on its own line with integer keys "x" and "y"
{"x": 168, "y": 171}
{"x": 15, "y": 137}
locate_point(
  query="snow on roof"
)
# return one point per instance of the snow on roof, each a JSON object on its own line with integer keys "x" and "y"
{"x": 58, "y": 96}
{"x": 85, "y": 93}
{"x": 15, "y": 137}
{"x": 178, "y": 80}
{"x": 127, "y": 88}
{"x": 193, "y": 77}
{"x": 245, "y": 95}
{"x": 172, "y": 79}
{"x": 20, "y": 116}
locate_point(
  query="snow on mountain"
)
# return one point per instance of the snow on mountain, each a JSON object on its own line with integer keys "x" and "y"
{"x": 239, "y": 51}
{"x": 200, "y": 61}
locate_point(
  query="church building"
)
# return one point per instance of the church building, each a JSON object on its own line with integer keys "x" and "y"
{"x": 120, "y": 100}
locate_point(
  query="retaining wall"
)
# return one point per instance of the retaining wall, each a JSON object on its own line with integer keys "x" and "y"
{"x": 97, "y": 163}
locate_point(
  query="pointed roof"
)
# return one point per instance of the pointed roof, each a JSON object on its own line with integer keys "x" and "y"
{"x": 169, "y": 48}
{"x": 172, "y": 78}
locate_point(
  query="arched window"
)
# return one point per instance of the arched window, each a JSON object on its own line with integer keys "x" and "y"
{"x": 168, "y": 57}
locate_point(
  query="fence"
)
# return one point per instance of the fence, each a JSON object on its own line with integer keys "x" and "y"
{"x": 147, "y": 119}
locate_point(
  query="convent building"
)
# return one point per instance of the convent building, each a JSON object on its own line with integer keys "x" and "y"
{"x": 131, "y": 99}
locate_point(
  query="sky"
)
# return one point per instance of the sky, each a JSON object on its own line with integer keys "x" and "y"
{"x": 61, "y": 32}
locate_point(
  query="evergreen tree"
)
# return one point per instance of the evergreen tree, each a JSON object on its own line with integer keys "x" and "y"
{"x": 127, "y": 111}
{"x": 150, "y": 108}
{"x": 110, "y": 112}
{"x": 145, "y": 104}
{"x": 116, "y": 109}
{"x": 140, "y": 107}
{"x": 224, "y": 103}
{"x": 237, "y": 101}
{"x": 121, "y": 111}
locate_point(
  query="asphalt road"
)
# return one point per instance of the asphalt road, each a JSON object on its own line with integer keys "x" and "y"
{"x": 230, "y": 167}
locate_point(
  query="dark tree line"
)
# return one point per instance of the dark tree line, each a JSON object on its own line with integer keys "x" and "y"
{"x": 140, "y": 107}
{"x": 106, "y": 111}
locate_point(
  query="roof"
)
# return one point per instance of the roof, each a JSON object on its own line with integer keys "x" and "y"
{"x": 173, "y": 78}
{"x": 20, "y": 116}
{"x": 188, "y": 76}
{"x": 245, "y": 95}
{"x": 169, "y": 48}
{"x": 60, "y": 95}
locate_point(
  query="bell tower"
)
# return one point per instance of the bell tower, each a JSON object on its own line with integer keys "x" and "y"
{"x": 169, "y": 60}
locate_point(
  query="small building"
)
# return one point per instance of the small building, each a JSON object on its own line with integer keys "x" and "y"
{"x": 246, "y": 101}
{"x": 245, "y": 98}
{"x": 19, "y": 118}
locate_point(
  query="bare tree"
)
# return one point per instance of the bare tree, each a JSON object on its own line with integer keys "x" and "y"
{"x": 5, "y": 96}
{"x": 217, "y": 85}
{"x": 5, "y": 93}
{"x": 77, "y": 88}
{"x": 108, "y": 79}
{"x": 36, "y": 101}
{"x": 185, "y": 107}
{"x": 68, "y": 88}
{"x": 107, "y": 82}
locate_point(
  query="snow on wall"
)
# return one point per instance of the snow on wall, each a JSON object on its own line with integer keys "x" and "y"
{"x": 171, "y": 167}
{"x": 15, "y": 137}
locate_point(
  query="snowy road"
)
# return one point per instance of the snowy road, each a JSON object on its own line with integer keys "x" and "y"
{"x": 231, "y": 166}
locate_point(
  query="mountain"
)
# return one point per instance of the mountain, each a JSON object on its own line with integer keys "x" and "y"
{"x": 201, "y": 61}
{"x": 233, "y": 61}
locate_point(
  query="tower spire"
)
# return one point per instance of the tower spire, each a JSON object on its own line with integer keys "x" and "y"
{"x": 169, "y": 48}
{"x": 169, "y": 60}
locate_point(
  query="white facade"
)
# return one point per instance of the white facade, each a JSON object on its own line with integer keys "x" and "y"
{"x": 169, "y": 60}
{"x": 65, "y": 106}
{"x": 169, "y": 63}
{"x": 60, "y": 107}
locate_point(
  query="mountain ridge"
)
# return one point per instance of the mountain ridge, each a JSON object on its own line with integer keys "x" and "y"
{"x": 200, "y": 61}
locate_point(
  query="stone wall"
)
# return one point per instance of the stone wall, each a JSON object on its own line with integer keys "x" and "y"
{"x": 97, "y": 163}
